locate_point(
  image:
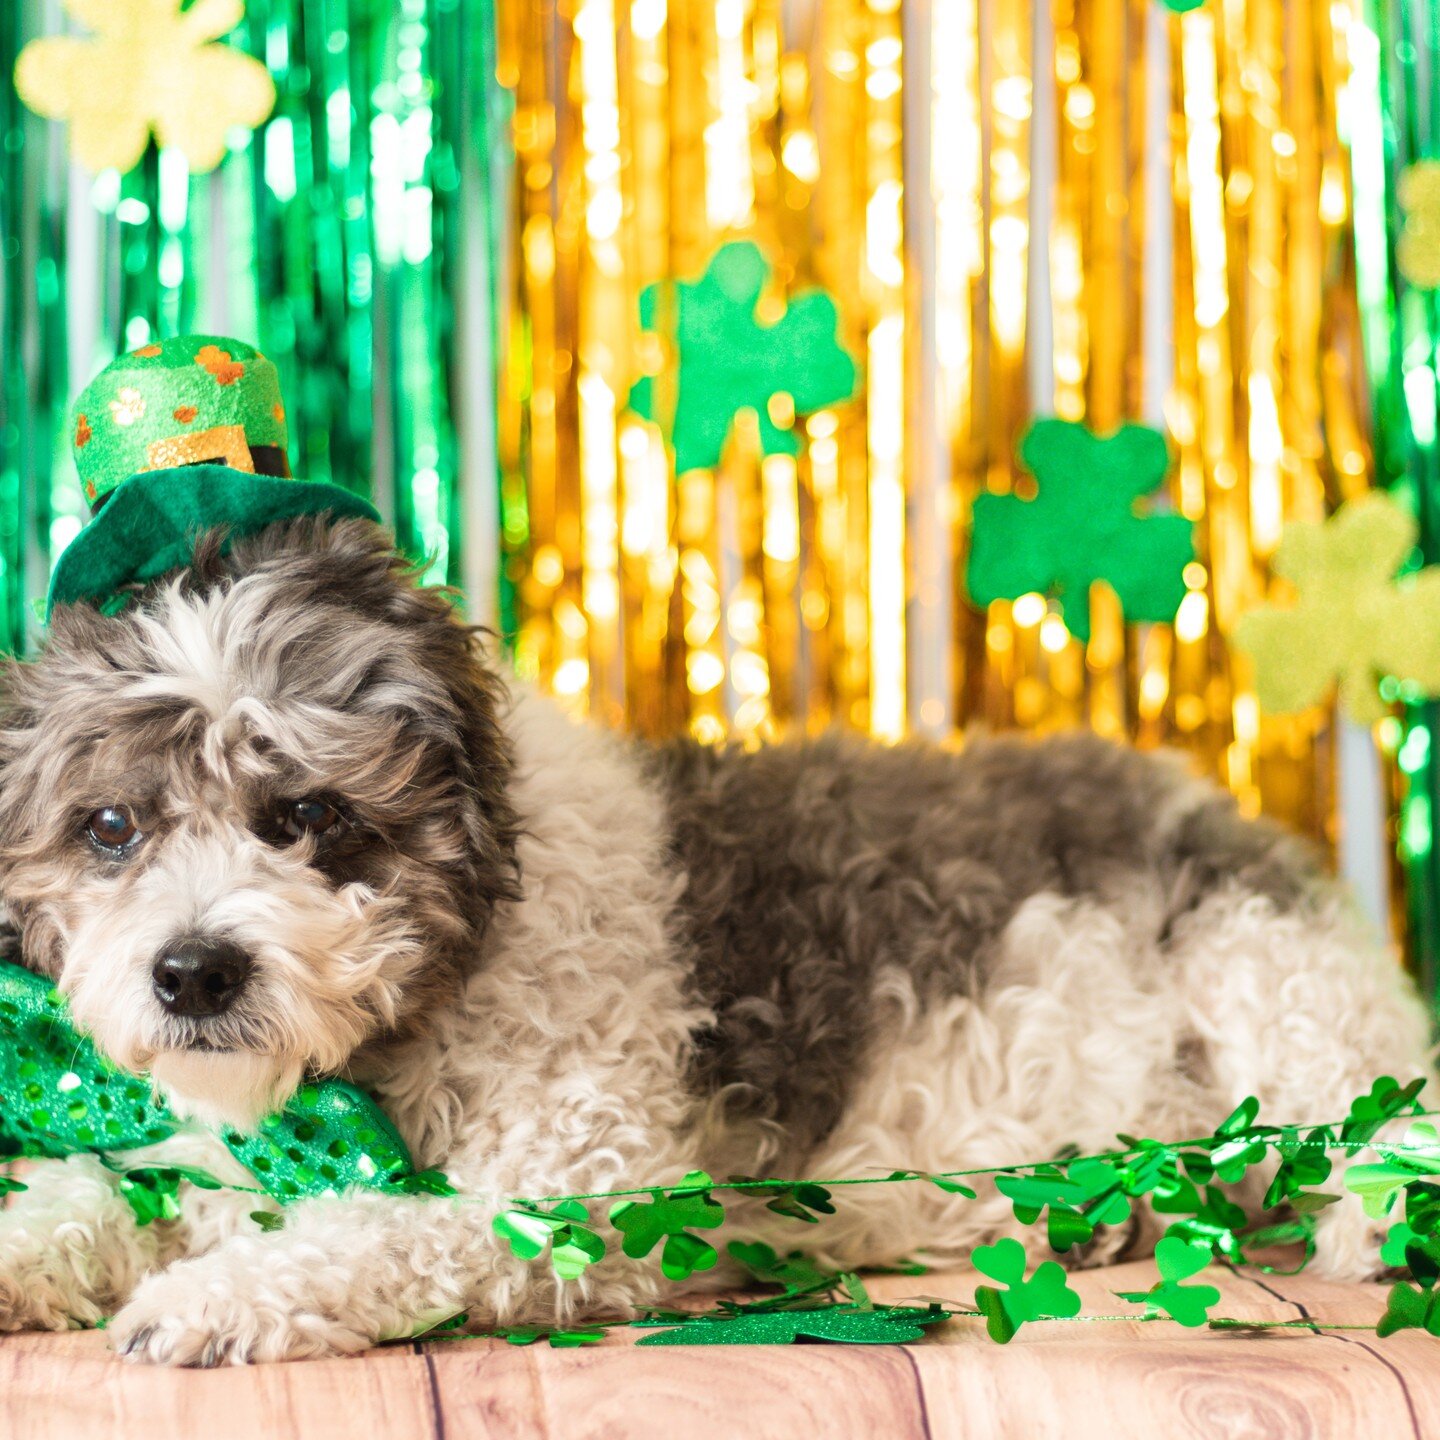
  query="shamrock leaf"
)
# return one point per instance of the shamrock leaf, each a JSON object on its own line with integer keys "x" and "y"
{"x": 842, "y": 1324}
{"x": 153, "y": 1191}
{"x": 150, "y": 66}
{"x": 667, "y": 1217}
{"x": 1082, "y": 526}
{"x": 9, "y": 1185}
{"x": 426, "y": 1182}
{"x": 1217, "y": 1224}
{"x": 794, "y": 1271}
{"x": 558, "y": 1339}
{"x": 1410, "y": 1309}
{"x": 1092, "y": 1184}
{"x": 1177, "y": 1260}
{"x": 1385, "y": 1100}
{"x": 1300, "y": 1165}
{"x": 801, "y": 1200}
{"x": 1352, "y": 619}
{"x": 943, "y": 1182}
{"x": 565, "y": 1228}
{"x": 726, "y": 361}
{"x": 268, "y": 1220}
{"x": 1378, "y": 1184}
{"x": 1417, "y": 252}
{"x": 1044, "y": 1294}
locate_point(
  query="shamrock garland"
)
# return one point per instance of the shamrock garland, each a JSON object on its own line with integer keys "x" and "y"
{"x": 1187, "y": 1180}
{"x": 1353, "y": 619}
{"x": 57, "y": 1097}
{"x": 151, "y": 66}
{"x": 1082, "y": 527}
{"x": 727, "y": 361}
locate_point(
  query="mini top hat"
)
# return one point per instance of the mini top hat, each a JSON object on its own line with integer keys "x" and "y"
{"x": 172, "y": 440}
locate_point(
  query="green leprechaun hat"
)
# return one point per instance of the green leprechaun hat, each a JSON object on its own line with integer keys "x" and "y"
{"x": 172, "y": 440}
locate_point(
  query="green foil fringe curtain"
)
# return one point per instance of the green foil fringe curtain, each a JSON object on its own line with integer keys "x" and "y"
{"x": 343, "y": 236}
{"x": 1395, "y": 122}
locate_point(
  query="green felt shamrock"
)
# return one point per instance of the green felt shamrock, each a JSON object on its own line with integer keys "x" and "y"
{"x": 726, "y": 361}
{"x": 668, "y": 1217}
{"x": 1417, "y": 251}
{"x": 1353, "y": 619}
{"x": 528, "y": 1228}
{"x": 60, "y": 1096}
{"x": 1045, "y": 1294}
{"x": 842, "y": 1324}
{"x": 1408, "y": 1309}
{"x": 1177, "y": 1260}
{"x": 1082, "y": 526}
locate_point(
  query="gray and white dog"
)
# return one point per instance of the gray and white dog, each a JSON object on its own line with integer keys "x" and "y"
{"x": 279, "y": 818}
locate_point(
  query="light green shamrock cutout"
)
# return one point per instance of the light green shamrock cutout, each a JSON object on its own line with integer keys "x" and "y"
{"x": 1377, "y": 1185}
{"x": 1417, "y": 251}
{"x": 1188, "y": 1305}
{"x": 1045, "y": 1293}
{"x": 1082, "y": 526}
{"x": 528, "y": 1229}
{"x": 842, "y": 1324}
{"x": 727, "y": 361}
{"x": 1353, "y": 619}
{"x": 668, "y": 1217}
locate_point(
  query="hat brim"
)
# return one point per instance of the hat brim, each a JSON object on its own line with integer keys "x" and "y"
{"x": 149, "y": 525}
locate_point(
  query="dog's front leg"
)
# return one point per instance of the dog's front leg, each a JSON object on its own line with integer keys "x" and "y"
{"x": 341, "y": 1275}
{"x": 70, "y": 1250}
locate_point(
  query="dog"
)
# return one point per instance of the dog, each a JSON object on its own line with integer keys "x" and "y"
{"x": 280, "y": 818}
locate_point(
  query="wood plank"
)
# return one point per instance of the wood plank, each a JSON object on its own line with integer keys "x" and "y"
{"x": 71, "y": 1387}
{"x": 492, "y": 1391}
{"x": 1109, "y": 1379}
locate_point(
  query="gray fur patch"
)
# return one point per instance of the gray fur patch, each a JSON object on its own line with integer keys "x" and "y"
{"x": 812, "y": 866}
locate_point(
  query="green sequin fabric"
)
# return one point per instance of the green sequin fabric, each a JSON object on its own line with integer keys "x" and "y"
{"x": 59, "y": 1096}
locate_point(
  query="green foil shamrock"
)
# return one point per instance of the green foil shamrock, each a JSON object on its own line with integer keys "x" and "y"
{"x": 1188, "y": 1305}
{"x": 669, "y": 1216}
{"x": 59, "y": 1096}
{"x": 1082, "y": 526}
{"x": 727, "y": 361}
{"x": 1043, "y": 1295}
{"x": 1353, "y": 619}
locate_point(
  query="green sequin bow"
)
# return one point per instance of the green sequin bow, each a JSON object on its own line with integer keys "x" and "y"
{"x": 59, "y": 1096}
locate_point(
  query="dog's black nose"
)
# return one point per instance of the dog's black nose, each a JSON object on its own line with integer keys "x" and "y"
{"x": 199, "y": 976}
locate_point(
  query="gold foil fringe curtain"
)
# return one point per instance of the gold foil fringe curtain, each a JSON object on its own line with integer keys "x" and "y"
{"x": 1101, "y": 209}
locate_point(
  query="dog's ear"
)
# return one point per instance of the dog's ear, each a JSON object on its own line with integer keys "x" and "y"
{"x": 434, "y": 677}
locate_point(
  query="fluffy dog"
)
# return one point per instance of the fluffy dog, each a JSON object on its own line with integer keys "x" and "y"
{"x": 278, "y": 818}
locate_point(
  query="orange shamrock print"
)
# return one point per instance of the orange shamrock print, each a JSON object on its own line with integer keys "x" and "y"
{"x": 146, "y": 351}
{"x": 82, "y": 432}
{"x": 186, "y": 413}
{"x": 218, "y": 362}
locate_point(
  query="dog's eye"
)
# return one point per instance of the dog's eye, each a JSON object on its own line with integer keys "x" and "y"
{"x": 112, "y": 827}
{"x": 309, "y": 817}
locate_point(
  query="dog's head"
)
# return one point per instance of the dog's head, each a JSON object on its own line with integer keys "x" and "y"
{"x": 260, "y": 818}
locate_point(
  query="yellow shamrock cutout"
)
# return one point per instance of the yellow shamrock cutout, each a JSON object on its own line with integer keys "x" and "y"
{"x": 1417, "y": 252}
{"x": 151, "y": 66}
{"x": 1352, "y": 619}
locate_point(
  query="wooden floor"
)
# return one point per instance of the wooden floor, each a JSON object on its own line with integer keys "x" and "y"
{"x": 1107, "y": 1379}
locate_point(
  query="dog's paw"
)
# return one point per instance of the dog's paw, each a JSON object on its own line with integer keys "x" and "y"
{"x": 201, "y": 1314}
